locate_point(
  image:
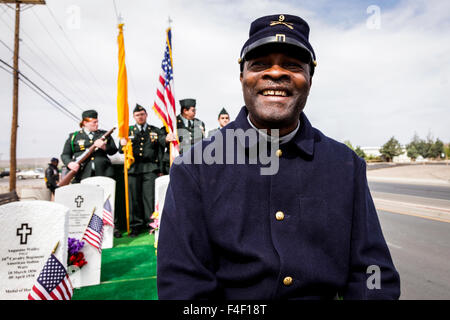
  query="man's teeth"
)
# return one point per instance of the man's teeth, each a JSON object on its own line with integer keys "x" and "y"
{"x": 274, "y": 93}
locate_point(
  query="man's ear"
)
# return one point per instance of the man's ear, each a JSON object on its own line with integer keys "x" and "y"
{"x": 241, "y": 75}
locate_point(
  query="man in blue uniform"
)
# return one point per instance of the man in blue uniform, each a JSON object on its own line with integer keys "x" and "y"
{"x": 306, "y": 230}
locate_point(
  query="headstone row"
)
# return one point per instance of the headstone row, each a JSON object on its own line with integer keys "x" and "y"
{"x": 31, "y": 230}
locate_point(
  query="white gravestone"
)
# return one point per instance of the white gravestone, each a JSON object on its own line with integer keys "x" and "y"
{"x": 29, "y": 231}
{"x": 109, "y": 188}
{"x": 161, "y": 184}
{"x": 81, "y": 199}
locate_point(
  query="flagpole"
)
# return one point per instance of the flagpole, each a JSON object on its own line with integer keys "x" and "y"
{"x": 127, "y": 201}
{"x": 122, "y": 109}
{"x": 171, "y": 64}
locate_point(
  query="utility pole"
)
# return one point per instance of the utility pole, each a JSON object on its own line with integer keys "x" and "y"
{"x": 15, "y": 107}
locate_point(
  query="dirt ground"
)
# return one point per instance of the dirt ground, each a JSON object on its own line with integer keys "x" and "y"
{"x": 416, "y": 171}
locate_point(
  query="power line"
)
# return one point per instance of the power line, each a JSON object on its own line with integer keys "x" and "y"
{"x": 75, "y": 50}
{"x": 42, "y": 77}
{"x": 59, "y": 105}
{"x": 75, "y": 89}
{"x": 63, "y": 52}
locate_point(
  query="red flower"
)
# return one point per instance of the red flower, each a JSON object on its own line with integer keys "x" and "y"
{"x": 78, "y": 259}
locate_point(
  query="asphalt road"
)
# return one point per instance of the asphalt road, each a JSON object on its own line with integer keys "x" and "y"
{"x": 420, "y": 250}
{"x": 420, "y": 247}
{"x": 427, "y": 191}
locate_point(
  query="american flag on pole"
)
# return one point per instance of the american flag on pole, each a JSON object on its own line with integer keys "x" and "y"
{"x": 53, "y": 282}
{"x": 94, "y": 232}
{"x": 164, "y": 105}
{"x": 107, "y": 213}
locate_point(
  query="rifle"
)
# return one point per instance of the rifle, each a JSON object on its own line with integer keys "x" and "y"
{"x": 81, "y": 160}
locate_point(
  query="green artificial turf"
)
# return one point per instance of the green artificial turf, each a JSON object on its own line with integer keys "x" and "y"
{"x": 128, "y": 271}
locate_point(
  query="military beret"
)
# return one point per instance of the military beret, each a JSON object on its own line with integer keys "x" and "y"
{"x": 223, "y": 111}
{"x": 54, "y": 160}
{"x": 89, "y": 114}
{"x": 282, "y": 29}
{"x": 187, "y": 103}
{"x": 139, "y": 108}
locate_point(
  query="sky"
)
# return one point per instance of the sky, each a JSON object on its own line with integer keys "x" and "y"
{"x": 383, "y": 66}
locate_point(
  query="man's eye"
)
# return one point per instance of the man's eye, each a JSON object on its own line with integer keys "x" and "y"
{"x": 293, "y": 66}
{"x": 258, "y": 64}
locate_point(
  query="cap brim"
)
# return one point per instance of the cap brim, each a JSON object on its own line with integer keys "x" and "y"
{"x": 274, "y": 42}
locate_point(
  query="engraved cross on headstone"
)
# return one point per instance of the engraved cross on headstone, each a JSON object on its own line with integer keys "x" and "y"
{"x": 79, "y": 200}
{"x": 24, "y": 232}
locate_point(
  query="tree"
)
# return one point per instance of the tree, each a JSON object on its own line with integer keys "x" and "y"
{"x": 436, "y": 149}
{"x": 349, "y": 144}
{"x": 360, "y": 153}
{"x": 423, "y": 148}
{"x": 412, "y": 148}
{"x": 391, "y": 149}
{"x": 447, "y": 150}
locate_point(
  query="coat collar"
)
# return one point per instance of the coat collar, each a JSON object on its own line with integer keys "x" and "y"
{"x": 303, "y": 140}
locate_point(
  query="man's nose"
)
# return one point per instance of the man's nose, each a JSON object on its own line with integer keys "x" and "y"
{"x": 276, "y": 72}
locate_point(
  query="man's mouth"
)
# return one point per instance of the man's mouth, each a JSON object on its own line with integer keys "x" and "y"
{"x": 274, "y": 92}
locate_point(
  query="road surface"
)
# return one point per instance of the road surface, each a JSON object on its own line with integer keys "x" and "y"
{"x": 419, "y": 240}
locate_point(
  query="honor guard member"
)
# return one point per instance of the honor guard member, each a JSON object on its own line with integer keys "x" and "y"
{"x": 148, "y": 146}
{"x": 223, "y": 120}
{"x": 79, "y": 141}
{"x": 307, "y": 229}
{"x": 190, "y": 129}
{"x": 52, "y": 176}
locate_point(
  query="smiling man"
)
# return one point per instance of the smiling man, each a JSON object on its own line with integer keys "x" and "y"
{"x": 308, "y": 231}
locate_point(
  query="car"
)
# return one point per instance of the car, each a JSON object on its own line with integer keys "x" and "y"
{"x": 4, "y": 174}
{"x": 29, "y": 174}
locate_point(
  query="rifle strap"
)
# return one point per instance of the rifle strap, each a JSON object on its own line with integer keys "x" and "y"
{"x": 73, "y": 138}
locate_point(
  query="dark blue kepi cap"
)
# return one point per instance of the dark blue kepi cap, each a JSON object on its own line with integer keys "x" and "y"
{"x": 281, "y": 29}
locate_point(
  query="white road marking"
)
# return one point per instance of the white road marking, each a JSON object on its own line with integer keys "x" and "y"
{"x": 393, "y": 245}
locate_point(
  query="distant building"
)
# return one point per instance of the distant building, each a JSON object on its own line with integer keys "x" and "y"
{"x": 403, "y": 158}
{"x": 375, "y": 152}
{"x": 372, "y": 151}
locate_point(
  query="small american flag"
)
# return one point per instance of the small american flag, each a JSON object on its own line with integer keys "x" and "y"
{"x": 107, "y": 213}
{"x": 53, "y": 283}
{"x": 94, "y": 232}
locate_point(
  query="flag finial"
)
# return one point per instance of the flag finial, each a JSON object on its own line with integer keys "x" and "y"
{"x": 56, "y": 247}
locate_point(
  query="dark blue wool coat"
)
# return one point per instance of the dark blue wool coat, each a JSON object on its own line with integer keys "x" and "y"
{"x": 220, "y": 238}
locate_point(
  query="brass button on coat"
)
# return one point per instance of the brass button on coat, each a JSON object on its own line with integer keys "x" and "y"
{"x": 279, "y": 215}
{"x": 287, "y": 281}
{"x": 279, "y": 153}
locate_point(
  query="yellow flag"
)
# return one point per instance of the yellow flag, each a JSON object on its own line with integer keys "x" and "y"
{"x": 128, "y": 151}
{"x": 122, "y": 100}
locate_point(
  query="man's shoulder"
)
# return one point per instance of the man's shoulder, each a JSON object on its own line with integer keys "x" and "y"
{"x": 152, "y": 128}
{"x": 199, "y": 121}
{"x": 334, "y": 150}
{"x": 74, "y": 134}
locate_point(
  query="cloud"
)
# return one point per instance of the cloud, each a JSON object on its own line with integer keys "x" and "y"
{"x": 369, "y": 84}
